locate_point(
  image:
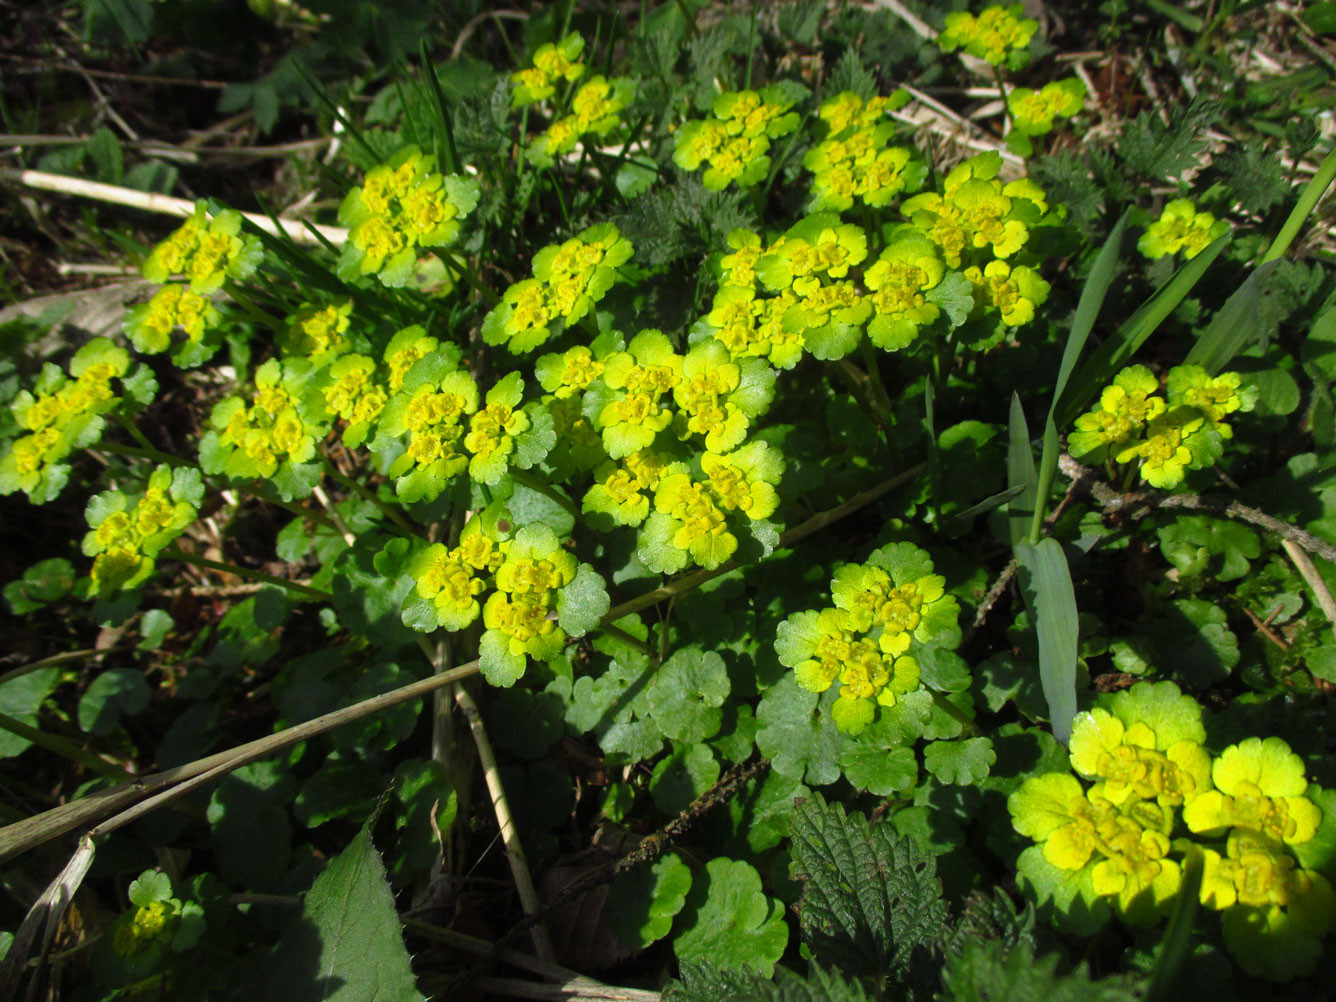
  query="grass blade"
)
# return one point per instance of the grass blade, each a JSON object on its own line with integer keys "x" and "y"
{"x": 1234, "y": 325}
{"x": 1046, "y": 584}
{"x": 1114, "y": 353}
{"x": 1303, "y": 208}
{"x": 1087, "y": 311}
{"x": 1178, "y": 937}
{"x": 986, "y": 505}
{"x": 1020, "y": 473}
{"x": 442, "y": 106}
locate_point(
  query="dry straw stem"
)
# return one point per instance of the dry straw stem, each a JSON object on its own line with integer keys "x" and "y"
{"x": 165, "y": 204}
{"x": 40, "y": 828}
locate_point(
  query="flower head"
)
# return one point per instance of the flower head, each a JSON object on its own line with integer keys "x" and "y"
{"x": 1181, "y": 228}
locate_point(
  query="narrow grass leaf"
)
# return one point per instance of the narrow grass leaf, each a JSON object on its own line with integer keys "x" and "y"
{"x": 983, "y": 507}
{"x": 1118, "y": 350}
{"x": 1020, "y": 473}
{"x": 1046, "y": 584}
{"x": 1178, "y": 937}
{"x": 1234, "y": 325}
{"x": 1308, "y": 199}
{"x": 1093, "y": 294}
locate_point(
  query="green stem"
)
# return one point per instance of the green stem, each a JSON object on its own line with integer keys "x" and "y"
{"x": 172, "y": 553}
{"x": 881, "y": 401}
{"x": 954, "y": 712}
{"x": 148, "y": 453}
{"x": 65, "y": 749}
{"x": 1313, "y": 191}
{"x": 1002, "y": 92}
{"x": 626, "y": 638}
{"x": 472, "y": 277}
{"x": 544, "y": 488}
{"x": 251, "y": 310}
{"x": 134, "y": 431}
{"x": 362, "y": 491}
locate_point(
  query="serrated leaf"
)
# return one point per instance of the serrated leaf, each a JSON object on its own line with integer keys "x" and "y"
{"x": 871, "y": 903}
{"x": 348, "y": 945}
{"x": 729, "y": 920}
{"x": 704, "y": 982}
{"x": 961, "y": 763}
{"x": 988, "y": 970}
{"x": 644, "y": 900}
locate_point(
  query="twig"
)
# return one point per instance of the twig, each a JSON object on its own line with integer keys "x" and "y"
{"x": 989, "y": 600}
{"x": 1265, "y": 630}
{"x": 472, "y": 26}
{"x": 167, "y": 205}
{"x": 53, "y": 660}
{"x": 519, "y": 865}
{"x": 335, "y": 517}
{"x": 578, "y": 989}
{"x": 653, "y": 844}
{"x": 40, "y": 828}
{"x": 1310, "y": 574}
{"x": 1139, "y": 503}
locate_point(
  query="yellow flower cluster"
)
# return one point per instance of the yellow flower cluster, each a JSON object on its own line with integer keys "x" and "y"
{"x": 734, "y": 143}
{"x": 253, "y": 441}
{"x": 318, "y": 332}
{"x": 521, "y": 616}
{"x": 1181, "y": 228}
{"x": 206, "y": 252}
{"x": 623, "y": 491}
{"x": 1131, "y": 423}
{"x": 568, "y": 279}
{"x": 1144, "y": 753}
{"x": 975, "y": 210}
{"x": 998, "y": 33}
{"x": 401, "y": 205}
{"x": 150, "y": 325}
{"x": 552, "y": 62}
{"x": 353, "y": 394}
{"x": 595, "y": 110}
{"x": 126, "y": 538}
{"x": 63, "y": 414}
{"x": 452, "y": 579}
{"x": 854, "y": 160}
{"x": 881, "y": 609}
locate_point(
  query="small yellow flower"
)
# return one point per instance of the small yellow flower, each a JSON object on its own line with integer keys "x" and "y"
{"x": 1260, "y": 788}
{"x": 1181, "y": 228}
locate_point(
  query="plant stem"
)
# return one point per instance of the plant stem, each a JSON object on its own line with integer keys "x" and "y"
{"x": 172, "y": 553}
{"x": 146, "y": 453}
{"x": 366, "y": 493}
{"x": 65, "y": 749}
{"x": 134, "y": 431}
{"x": 953, "y": 711}
{"x": 881, "y": 400}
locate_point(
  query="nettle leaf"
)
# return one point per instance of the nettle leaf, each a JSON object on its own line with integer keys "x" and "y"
{"x": 643, "y": 901}
{"x": 348, "y": 945}
{"x": 687, "y": 693}
{"x": 963, "y": 763}
{"x": 704, "y": 982}
{"x": 730, "y": 921}
{"x": 871, "y": 903}
{"x": 989, "y": 970}
{"x": 797, "y": 733}
{"x": 120, "y": 691}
